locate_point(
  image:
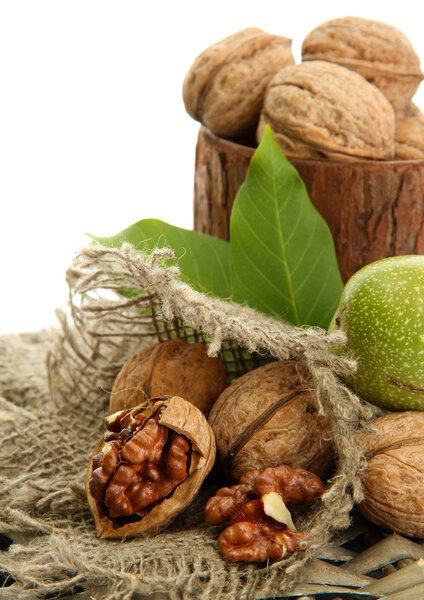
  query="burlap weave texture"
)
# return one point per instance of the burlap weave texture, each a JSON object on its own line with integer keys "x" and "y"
{"x": 55, "y": 399}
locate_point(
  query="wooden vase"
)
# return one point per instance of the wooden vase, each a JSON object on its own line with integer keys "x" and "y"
{"x": 374, "y": 209}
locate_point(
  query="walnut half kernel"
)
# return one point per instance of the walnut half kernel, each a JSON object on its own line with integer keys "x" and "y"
{"x": 260, "y": 524}
{"x": 148, "y": 466}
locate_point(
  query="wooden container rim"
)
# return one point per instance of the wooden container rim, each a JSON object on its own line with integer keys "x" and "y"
{"x": 248, "y": 151}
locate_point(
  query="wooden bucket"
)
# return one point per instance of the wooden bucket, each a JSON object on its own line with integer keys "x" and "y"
{"x": 374, "y": 209}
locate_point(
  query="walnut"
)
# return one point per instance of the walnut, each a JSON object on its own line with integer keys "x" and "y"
{"x": 318, "y": 109}
{"x": 261, "y": 526}
{"x": 224, "y": 87}
{"x": 393, "y": 481}
{"x": 379, "y": 52}
{"x": 270, "y": 416}
{"x": 409, "y": 134}
{"x": 148, "y": 466}
{"x": 174, "y": 368}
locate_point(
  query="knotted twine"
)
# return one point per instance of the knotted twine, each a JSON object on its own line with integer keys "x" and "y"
{"x": 42, "y": 503}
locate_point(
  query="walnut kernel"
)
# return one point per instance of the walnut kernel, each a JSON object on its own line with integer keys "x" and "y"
{"x": 260, "y": 524}
{"x": 148, "y": 466}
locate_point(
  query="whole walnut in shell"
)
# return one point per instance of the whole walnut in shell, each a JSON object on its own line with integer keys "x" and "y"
{"x": 319, "y": 109}
{"x": 379, "y": 52}
{"x": 224, "y": 87}
{"x": 393, "y": 481}
{"x": 175, "y": 368}
{"x": 409, "y": 133}
{"x": 270, "y": 416}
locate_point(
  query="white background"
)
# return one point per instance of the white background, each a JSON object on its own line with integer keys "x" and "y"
{"x": 93, "y": 131}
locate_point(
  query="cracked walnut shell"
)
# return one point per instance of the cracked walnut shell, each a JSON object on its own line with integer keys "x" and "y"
{"x": 270, "y": 416}
{"x": 173, "y": 368}
{"x": 148, "y": 466}
{"x": 224, "y": 87}
{"x": 393, "y": 481}
{"x": 318, "y": 109}
{"x": 379, "y": 52}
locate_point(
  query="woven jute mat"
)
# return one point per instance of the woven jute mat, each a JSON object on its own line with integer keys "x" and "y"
{"x": 55, "y": 389}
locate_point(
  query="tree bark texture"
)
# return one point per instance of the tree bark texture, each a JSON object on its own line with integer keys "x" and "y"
{"x": 374, "y": 209}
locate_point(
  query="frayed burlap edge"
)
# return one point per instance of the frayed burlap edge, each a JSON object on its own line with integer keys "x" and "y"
{"x": 104, "y": 331}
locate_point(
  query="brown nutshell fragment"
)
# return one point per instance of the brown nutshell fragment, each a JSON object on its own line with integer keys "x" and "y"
{"x": 224, "y": 87}
{"x": 148, "y": 466}
{"x": 271, "y": 416}
{"x": 172, "y": 368}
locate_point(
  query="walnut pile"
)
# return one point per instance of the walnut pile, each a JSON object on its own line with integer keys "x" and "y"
{"x": 260, "y": 524}
{"x": 393, "y": 481}
{"x": 270, "y": 416}
{"x": 250, "y": 79}
{"x": 224, "y": 87}
{"x": 148, "y": 466}
{"x": 319, "y": 109}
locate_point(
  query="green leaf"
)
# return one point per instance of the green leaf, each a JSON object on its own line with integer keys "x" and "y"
{"x": 202, "y": 259}
{"x": 282, "y": 257}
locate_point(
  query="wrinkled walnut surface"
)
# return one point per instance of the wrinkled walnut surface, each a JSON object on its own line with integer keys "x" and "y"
{"x": 379, "y": 52}
{"x": 270, "y": 416}
{"x": 224, "y": 87}
{"x": 320, "y": 109}
{"x": 174, "y": 368}
{"x": 253, "y": 535}
{"x": 248, "y": 541}
{"x": 409, "y": 134}
{"x": 393, "y": 481}
{"x": 148, "y": 466}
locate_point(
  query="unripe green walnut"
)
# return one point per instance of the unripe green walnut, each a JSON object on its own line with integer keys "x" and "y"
{"x": 381, "y": 311}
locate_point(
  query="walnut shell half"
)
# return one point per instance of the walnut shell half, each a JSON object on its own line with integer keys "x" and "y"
{"x": 172, "y": 368}
{"x": 148, "y": 466}
{"x": 270, "y": 416}
{"x": 379, "y": 52}
{"x": 319, "y": 109}
{"x": 393, "y": 481}
{"x": 224, "y": 87}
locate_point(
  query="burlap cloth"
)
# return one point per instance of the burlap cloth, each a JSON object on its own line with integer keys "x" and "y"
{"x": 55, "y": 387}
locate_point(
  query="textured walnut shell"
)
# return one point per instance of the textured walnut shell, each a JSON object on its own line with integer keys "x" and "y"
{"x": 379, "y": 52}
{"x": 393, "y": 481}
{"x": 224, "y": 87}
{"x": 182, "y": 417}
{"x": 319, "y": 109}
{"x": 174, "y": 368}
{"x": 270, "y": 416}
{"x": 409, "y": 134}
